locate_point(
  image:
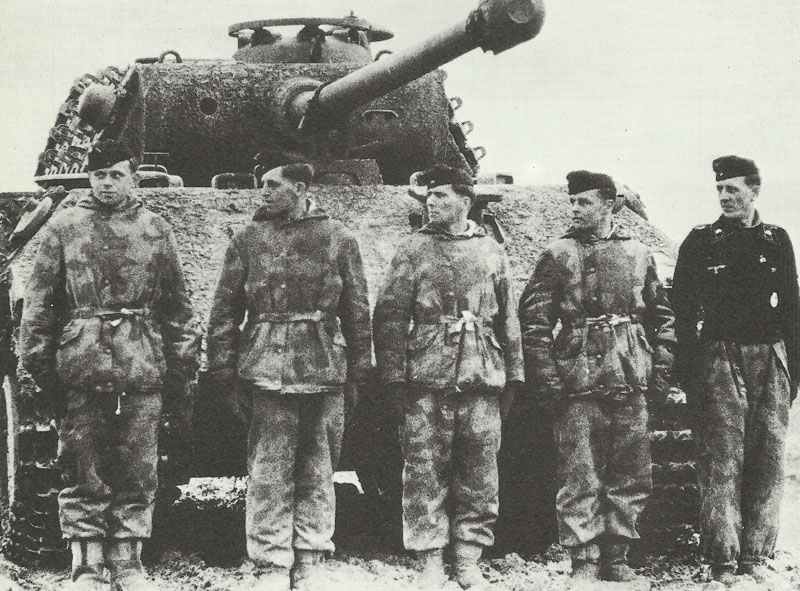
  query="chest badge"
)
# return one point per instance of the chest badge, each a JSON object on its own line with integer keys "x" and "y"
{"x": 773, "y": 299}
{"x": 716, "y": 268}
{"x": 762, "y": 259}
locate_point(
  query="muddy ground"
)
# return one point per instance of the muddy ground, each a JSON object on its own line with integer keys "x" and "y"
{"x": 365, "y": 565}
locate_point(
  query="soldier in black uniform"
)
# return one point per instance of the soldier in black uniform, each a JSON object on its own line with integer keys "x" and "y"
{"x": 735, "y": 297}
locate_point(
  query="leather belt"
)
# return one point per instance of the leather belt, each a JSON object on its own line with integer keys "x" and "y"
{"x": 287, "y": 317}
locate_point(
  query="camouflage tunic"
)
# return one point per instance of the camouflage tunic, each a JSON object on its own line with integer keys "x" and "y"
{"x": 106, "y": 317}
{"x": 612, "y": 311}
{"x": 446, "y": 327}
{"x": 301, "y": 284}
{"x": 106, "y": 307}
{"x": 446, "y": 317}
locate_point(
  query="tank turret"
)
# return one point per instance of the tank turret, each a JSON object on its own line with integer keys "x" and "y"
{"x": 318, "y": 95}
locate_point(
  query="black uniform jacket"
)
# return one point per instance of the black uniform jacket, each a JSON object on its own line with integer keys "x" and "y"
{"x": 736, "y": 283}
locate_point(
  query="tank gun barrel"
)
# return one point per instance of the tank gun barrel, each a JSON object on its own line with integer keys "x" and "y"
{"x": 496, "y": 25}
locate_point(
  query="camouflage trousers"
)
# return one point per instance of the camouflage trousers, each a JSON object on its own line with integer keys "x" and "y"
{"x": 449, "y": 443}
{"x": 742, "y": 421}
{"x": 293, "y": 444}
{"x": 604, "y": 467}
{"x": 108, "y": 450}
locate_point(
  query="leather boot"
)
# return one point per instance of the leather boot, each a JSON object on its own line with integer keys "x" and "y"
{"x": 614, "y": 564}
{"x": 305, "y": 568}
{"x": 722, "y": 576}
{"x": 585, "y": 566}
{"x": 270, "y": 580}
{"x": 124, "y": 560}
{"x": 431, "y": 566}
{"x": 758, "y": 570}
{"x": 87, "y": 566}
{"x": 466, "y": 571}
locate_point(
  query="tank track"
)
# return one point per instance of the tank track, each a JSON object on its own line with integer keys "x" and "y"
{"x": 671, "y": 513}
{"x": 69, "y": 140}
{"x": 32, "y": 532}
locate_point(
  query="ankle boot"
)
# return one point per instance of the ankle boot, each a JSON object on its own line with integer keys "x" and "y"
{"x": 585, "y": 566}
{"x": 87, "y": 566}
{"x": 124, "y": 560}
{"x": 614, "y": 563}
{"x": 723, "y": 574}
{"x": 466, "y": 571}
{"x": 431, "y": 565}
{"x": 306, "y": 566}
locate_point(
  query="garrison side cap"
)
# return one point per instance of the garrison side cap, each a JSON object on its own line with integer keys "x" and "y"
{"x": 107, "y": 153}
{"x": 579, "y": 181}
{"x": 728, "y": 167}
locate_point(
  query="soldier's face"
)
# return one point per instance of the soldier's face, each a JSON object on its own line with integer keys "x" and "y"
{"x": 445, "y": 206}
{"x": 589, "y": 210}
{"x": 736, "y": 199}
{"x": 281, "y": 195}
{"x": 112, "y": 186}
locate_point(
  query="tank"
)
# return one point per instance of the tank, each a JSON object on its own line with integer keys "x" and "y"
{"x": 317, "y": 95}
{"x": 205, "y": 129}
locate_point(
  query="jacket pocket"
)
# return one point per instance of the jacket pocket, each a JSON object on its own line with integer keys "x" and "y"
{"x": 430, "y": 356}
{"x": 71, "y": 364}
{"x": 422, "y": 337}
{"x": 71, "y": 332}
{"x": 571, "y": 359}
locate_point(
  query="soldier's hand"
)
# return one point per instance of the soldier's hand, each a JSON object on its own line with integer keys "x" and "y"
{"x": 394, "y": 399}
{"x": 662, "y": 379}
{"x": 48, "y": 401}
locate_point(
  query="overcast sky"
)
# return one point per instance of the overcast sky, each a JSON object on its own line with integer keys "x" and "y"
{"x": 648, "y": 91}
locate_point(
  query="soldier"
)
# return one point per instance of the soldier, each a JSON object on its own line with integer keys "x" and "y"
{"x": 298, "y": 277}
{"x": 106, "y": 319}
{"x": 447, "y": 345}
{"x": 737, "y": 277}
{"x": 613, "y": 343}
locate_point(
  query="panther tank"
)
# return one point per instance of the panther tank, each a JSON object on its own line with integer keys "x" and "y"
{"x": 204, "y": 131}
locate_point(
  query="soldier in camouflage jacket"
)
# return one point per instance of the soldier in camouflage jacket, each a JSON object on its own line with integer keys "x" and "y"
{"x": 106, "y": 318}
{"x": 298, "y": 278}
{"x": 447, "y": 343}
{"x": 615, "y": 325}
